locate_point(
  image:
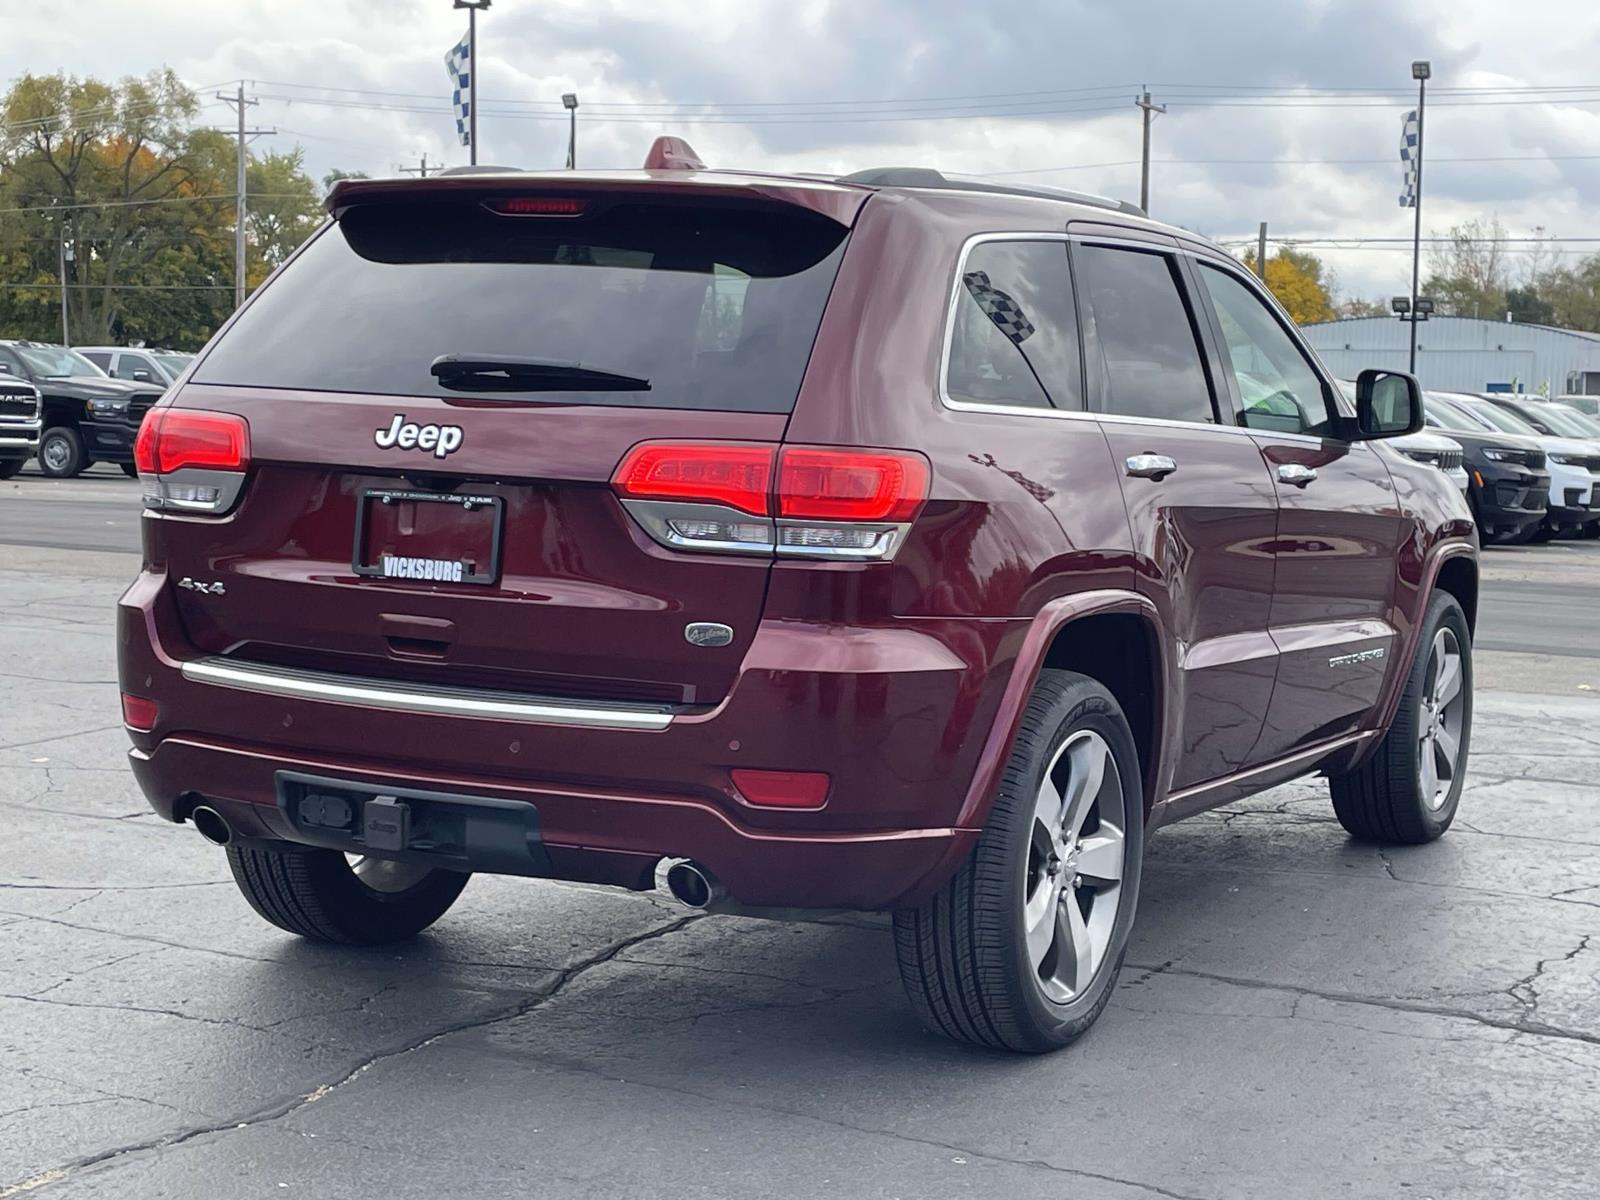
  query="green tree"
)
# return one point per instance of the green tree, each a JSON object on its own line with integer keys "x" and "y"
{"x": 112, "y": 173}
{"x": 1573, "y": 295}
{"x": 1527, "y": 304}
{"x": 284, "y": 209}
{"x": 335, "y": 175}
{"x": 141, "y": 201}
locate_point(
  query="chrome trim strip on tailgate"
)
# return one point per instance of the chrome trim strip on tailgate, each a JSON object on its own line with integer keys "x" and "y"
{"x": 420, "y": 698}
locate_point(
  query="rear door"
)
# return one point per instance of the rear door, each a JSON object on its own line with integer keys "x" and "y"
{"x": 1339, "y": 524}
{"x": 1200, "y": 503}
{"x": 458, "y": 526}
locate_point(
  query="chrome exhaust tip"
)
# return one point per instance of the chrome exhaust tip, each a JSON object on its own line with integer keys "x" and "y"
{"x": 693, "y": 886}
{"x": 211, "y": 825}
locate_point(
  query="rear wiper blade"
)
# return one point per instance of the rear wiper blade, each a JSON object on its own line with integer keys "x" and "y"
{"x": 509, "y": 373}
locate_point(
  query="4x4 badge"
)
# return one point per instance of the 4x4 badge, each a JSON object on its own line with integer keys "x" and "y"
{"x": 408, "y": 435}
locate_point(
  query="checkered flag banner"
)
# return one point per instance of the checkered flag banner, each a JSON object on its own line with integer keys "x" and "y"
{"x": 459, "y": 63}
{"x": 1000, "y": 308}
{"x": 1408, "y": 155}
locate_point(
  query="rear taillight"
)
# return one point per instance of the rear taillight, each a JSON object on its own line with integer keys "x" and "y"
{"x": 738, "y": 476}
{"x": 190, "y": 460}
{"x": 803, "y": 501}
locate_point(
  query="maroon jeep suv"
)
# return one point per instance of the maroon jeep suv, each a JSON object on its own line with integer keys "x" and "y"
{"x": 882, "y": 543}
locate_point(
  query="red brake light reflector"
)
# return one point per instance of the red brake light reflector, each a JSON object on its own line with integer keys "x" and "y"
{"x": 851, "y": 485}
{"x": 782, "y": 789}
{"x": 739, "y": 476}
{"x": 139, "y": 713}
{"x": 171, "y": 438}
{"x": 537, "y": 206}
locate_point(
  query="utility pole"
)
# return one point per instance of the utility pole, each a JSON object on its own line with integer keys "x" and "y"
{"x": 61, "y": 265}
{"x": 240, "y": 103}
{"x": 1261, "y": 252}
{"x": 420, "y": 170}
{"x": 1150, "y": 110}
{"x": 1419, "y": 71}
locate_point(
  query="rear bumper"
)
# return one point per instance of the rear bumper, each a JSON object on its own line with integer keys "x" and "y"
{"x": 889, "y": 713}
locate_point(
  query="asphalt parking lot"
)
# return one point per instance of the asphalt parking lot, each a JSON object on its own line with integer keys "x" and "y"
{"x": 1300, "y": 1015}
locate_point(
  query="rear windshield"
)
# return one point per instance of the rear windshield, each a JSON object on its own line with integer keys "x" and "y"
{"x": 715, "y": 304}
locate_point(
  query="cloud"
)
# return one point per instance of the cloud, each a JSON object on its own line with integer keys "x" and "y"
{"x": 839, "y": 56}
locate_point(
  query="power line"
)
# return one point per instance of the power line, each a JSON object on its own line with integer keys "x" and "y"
{"x": 1283, "y": 162}
{"x": 219, "y": 197}
{"x": 128, "y": 287}
{"x": 1105, "y": 91}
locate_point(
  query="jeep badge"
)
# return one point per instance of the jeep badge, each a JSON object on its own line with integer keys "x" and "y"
{"x": 408, "y": 435}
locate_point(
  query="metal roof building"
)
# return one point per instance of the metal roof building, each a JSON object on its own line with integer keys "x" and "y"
{"x": 1465, "y": 354}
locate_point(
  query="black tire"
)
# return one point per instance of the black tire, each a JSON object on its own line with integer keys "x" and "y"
{"x": 1541, "y": 533}
{"x": 10, "y": 466}
{"x": 128, "y": 469}
{"x": 316, "y": 893}
{"x": 1591, "y": 531}
{"x": 963, "y": 955}
{"x": 61, "y": 453}
{"x": 1383, "y": 800}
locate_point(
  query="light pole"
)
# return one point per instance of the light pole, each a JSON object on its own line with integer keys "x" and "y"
{"x": 569, "y": 101}
{"x": 1420, "y": 71}
{"x": 472, "y": 7}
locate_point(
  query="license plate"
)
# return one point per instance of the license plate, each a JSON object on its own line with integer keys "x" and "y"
{"x": 428, "y": 537}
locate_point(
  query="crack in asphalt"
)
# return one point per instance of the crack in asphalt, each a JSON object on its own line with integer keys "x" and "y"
{"x": 61, "y": 737}
{"x": 1525, "y": 991}
{"x": 1523, "y": 1024}
{"x": 289, "y": 1107}
{"x": 1388, "y": 866}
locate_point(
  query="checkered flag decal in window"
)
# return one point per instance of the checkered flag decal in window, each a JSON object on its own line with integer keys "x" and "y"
{"x": 1409, "y": 134}
{"x": 1000, "y": 308}
{"x": 458, "y": 63}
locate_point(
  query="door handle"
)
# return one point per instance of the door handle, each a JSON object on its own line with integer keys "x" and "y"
{"x": 1296, "y": 473}
{"x": 1150, "y": 466}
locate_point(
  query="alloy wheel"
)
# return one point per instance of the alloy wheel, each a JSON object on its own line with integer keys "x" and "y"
{"x": 1444, "y": 705}
{"x": 1076, "y": 856}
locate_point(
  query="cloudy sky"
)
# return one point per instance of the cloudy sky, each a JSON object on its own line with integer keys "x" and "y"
{"x": 1026, "y": 90}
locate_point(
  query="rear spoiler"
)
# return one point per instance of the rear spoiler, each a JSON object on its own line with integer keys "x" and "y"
{"x": 681, "y": 176}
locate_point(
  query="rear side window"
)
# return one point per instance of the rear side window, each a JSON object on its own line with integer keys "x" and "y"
{"x": 98, "y": 358}
{"x": 1015, "y": 335}
{"x": 714, "y": 304}
{"x": 1149, "y": 356}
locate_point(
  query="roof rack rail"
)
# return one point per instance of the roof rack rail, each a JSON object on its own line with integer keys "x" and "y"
{"x": 927, "y": 177}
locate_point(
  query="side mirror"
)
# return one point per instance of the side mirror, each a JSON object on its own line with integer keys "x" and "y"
{"x": 1388, "y": 404}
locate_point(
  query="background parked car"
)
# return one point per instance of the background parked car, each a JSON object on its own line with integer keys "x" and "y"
{"x": 1560, "y": 420}
{"x": 19, "y": 424}
{"x": 1424, "y": 447}
{"x": 138, "y": 364}
{"x": 1572, "y": 482}
{"x": 88, "y": 416}
{"x": 1510, "y": 485}
{"x": 1589, "y": 405}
